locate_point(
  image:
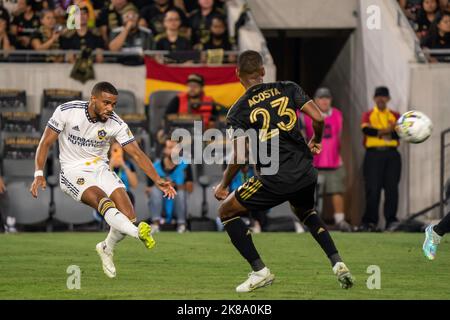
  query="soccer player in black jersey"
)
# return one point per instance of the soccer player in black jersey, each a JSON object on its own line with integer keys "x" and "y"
{"x": 270, "y": 109}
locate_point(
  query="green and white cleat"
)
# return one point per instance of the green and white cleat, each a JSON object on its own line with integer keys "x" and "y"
{"x": 343, "y": 274}
{"x": 107, "y": 260}
{"x": 145, "y": 235}
{"x": 432, "y": 240}
{"x": 256, "y": 280}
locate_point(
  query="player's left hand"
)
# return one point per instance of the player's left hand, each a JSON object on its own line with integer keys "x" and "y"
{"x": 315, "y": 147}
{"x": 220, "y": 192}
{"x": 38, "y": 182}
{"x": 167, "y": 188}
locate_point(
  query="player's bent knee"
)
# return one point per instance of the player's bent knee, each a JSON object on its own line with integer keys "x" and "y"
{"x": 303, "y": 214}
{"x": 225, "y": 211}
{"x": 230, "y": 208}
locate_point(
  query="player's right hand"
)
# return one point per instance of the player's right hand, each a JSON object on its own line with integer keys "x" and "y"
{"x": 315, "y": 147}
{"x": 220, "y": 192}
{"x": 38, "y": 182}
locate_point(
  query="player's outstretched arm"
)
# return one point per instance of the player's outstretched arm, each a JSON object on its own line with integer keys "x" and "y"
{"x": 144, "y": 162}
{"x": 312, "y": 110}
{"x": 237, "y": 161}
{"x": 48, "y": 139}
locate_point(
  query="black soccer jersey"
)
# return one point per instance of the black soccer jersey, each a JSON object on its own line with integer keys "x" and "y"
{"x": 271, "y": 110}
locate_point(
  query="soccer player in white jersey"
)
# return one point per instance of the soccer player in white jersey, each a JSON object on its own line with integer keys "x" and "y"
{"x": 84, "y": 130}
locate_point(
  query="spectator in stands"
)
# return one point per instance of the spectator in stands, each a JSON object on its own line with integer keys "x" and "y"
{"x": 382, "y": 163}
{"x": 194, "y": 101}
{"x": 124, "y": 168}
{"x": 4, "y": 13}
{"x": 200, "y": 20}
{"x": 171, "y": 39}
{"x": 180, "y": 174}
{"x": 47, "y": 37}
{"x": 25, "y": 24}
{"x": 131, "y": 38}
{"x": 439, "y": 34}
{"x": 187, "y": 5}
{"x": 90, "y": 9}
{"x": 445, "y": 5}
{"x": 7, "y": 40}
{"x": 410, "y": 8}
{"x": 426, "y": 15}
{"x": 329, "y": 161}
{"x": 218, "y": 36}
{"x": 152, "y": 16}
{"x": 83, "y": 39}
{"x": 110, "y": 17}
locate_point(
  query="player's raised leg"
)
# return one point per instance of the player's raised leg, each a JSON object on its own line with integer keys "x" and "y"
{"x": 302, "y": 203}
{"x": 241, "y": 237}
{"x": 105, "y": 249}
{"x": 97, "y": 199}
{"x": 123, "y": 203}
{"x": 433, "y": 235}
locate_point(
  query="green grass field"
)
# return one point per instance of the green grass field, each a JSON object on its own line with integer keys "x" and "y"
{"x": 206, "y": 266}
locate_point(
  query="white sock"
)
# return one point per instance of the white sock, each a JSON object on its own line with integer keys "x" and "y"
{"x": 338, "y": 217}
{"x": 121, "y": 223}
{"x": 113, "y": 238}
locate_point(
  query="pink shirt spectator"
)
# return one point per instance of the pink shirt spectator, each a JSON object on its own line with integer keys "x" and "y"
{"x": 330, "y": 157}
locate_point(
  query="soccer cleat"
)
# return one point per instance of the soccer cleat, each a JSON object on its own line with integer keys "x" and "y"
{"x": 145, "y": 234}
{"x": 107, "y": 260}
{"x": 259, "y": 279}
{"x": 432, "y": 240}
{"x": 343, "y": 274}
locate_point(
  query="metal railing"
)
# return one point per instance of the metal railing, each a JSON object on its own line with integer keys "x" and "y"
{"x": 194, "y": 56}
{"x": 441, "y": 55}
{"x": 445, "y": 145}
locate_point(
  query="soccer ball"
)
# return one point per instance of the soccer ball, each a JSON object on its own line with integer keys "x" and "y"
{"x": 414, "y": 127}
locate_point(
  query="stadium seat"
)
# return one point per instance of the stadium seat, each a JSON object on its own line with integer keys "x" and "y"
{"x": 126, "y": 102}
{"x": 158, "y": 103}
{"x": 18, "y": 168}
{"x": 13, "y": 100}
{"x": 69, "y": 211}
{"x": 22, "y": 206}
{"x": 141, "y": 202}
{"x": 51, "y": 99}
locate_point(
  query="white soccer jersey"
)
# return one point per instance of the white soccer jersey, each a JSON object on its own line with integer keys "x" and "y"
{"x": 81, "y": 138}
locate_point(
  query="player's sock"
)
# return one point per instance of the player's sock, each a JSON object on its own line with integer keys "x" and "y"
{"x": 322, "y": 236}
{"x": 443, "y": 227}
{"x": 113, "y": 238}
{"x": 241, "y": 238}
{"x": 117, "y": 219}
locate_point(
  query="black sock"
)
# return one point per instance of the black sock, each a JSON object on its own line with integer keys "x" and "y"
{"x": 443, "y": 227}
{"x": 241, "y": 238}
{"x": 323, "y": 237}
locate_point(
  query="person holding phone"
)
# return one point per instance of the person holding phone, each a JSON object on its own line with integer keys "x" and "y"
{"x": 47, "y": 37}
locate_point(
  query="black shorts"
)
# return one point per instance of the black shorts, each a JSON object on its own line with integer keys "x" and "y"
{"x": 255, "y": 197}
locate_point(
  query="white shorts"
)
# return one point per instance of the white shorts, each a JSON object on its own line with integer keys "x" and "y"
{"x": 75, "y": 181}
